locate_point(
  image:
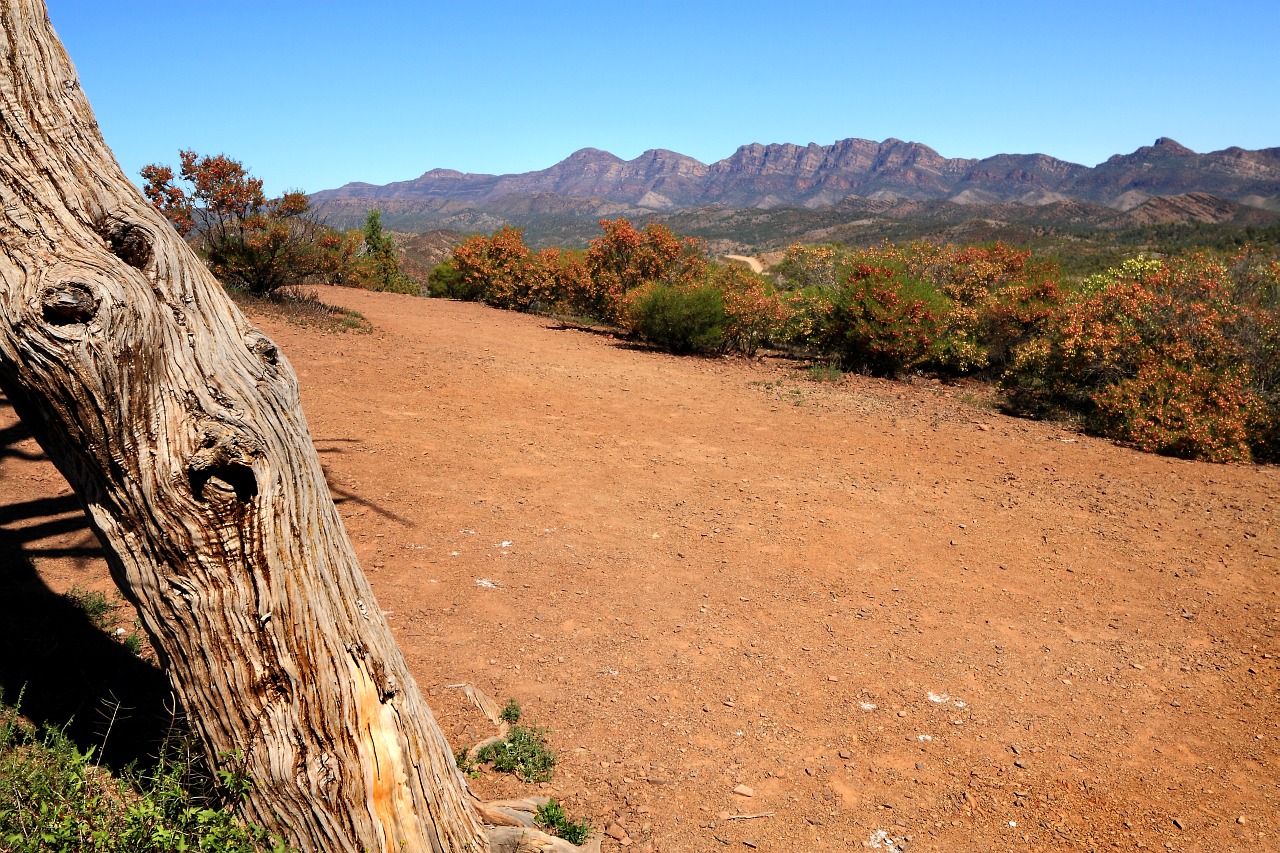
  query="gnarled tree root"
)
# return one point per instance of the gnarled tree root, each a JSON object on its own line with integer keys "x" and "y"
{"x": 515, "y": 839}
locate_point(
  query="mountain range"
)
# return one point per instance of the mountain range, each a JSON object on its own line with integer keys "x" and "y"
{"x": 591, "y": 183}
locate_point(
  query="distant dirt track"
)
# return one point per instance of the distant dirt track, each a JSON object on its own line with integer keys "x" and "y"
{"x": 754, "y": 263}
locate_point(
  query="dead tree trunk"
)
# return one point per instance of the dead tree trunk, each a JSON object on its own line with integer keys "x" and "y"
{"x": 179, "y": 426}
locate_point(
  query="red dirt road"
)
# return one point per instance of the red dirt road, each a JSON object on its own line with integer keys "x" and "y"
{"x": 897, "y": 617}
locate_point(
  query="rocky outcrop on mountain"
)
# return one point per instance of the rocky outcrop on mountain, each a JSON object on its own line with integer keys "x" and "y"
{"x": 590, "y": 184}
{"x": 814, "y": 175}
{"x": 1191, "y": 207}
{"x": 1167, "y": 168}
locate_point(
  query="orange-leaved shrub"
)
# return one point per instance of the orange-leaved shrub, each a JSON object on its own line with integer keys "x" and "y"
{"x": 1178, "y": 356}
{"x": 754, "y": 314}
{"x": 1175, "y": 356}
{"x": 499, "y": 270}
{"x": 890, "y": 308}
{"x": 878, "y": 320}
{"x": 624, "y": 258}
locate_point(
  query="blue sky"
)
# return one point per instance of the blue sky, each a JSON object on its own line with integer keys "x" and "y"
{"x": 312, "y": 95}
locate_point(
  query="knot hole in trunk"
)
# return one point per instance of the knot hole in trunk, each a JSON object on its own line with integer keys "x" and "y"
{"x": 223, "y": 463}
{"x": 68, "y": 303}
{"x": 129, "y": 242}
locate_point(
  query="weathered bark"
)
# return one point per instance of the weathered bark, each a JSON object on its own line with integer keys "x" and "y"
{"x": 179, "y": 426}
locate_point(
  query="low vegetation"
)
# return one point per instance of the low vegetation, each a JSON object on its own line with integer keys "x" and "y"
{"x": 54, "y": 798}
{"x": 553, "y": 819}
{"x": 302, "y": 307}
{"x": 1177, "y": 355}
{"x": 523, "y": 752}
{"x": 103, "y": 611}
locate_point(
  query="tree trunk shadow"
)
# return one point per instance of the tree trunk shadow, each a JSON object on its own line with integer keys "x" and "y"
{"x": 68, "y": 671}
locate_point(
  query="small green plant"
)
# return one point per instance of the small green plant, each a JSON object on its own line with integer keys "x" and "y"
{"x": 133, "y": 642}
{"x": 523, "y": 752}
{"x": 511, "y": 713}
{"x": 102, "y": 610}
{"x": 466, "y": 763}
{"x": 96, "y": 605}
{"x": 825, "y": 373}
{"x": 552, "y": 817}
{"x": 354, "y": 320}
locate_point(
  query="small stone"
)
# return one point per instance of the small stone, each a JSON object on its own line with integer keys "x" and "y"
{"x": 902, "y": 713}
{"x": 615, "y": 832}
{"x": 744, "y": 791}
{"x": 749, "y": 843}
{"x": 1020, "y": 763}
{"x": 919, "y": 765}
{"x": 1178, "y": 823}
{"x": 846, "y": 754}
{"x": 722, "y": 815}
{"x": 1241, "y": 820}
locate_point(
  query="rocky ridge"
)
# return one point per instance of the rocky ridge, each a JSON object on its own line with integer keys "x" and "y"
{"x": 816, "y": 176}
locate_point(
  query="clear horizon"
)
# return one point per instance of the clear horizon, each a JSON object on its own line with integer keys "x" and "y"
{"x": 312, "y": 96}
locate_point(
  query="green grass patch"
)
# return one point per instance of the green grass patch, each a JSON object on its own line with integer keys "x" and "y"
{"x": 103, "y": 611}
{"x": 98, "y": 606}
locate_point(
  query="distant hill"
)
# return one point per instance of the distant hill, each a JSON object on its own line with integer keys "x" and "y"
{"x": 800, "y": 186}
{"x": 421, "y": 252}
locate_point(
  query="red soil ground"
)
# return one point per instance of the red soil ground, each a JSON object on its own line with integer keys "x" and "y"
{"x": 897, "y": 617}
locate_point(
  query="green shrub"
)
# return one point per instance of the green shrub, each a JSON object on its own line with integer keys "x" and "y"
{"x": 886, "y": 309}
{"x": 553, "y": 818}
{"x": 523, "y": 752}
{"x": 447, "y": 282}
{"x": 680, "y": 320}
{"x": 377, "y": 265}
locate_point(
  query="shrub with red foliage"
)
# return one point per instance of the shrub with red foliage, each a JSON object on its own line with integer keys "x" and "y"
{"x": 1176, "y": 357}
{"x": 247, "y": 240}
